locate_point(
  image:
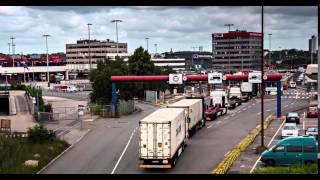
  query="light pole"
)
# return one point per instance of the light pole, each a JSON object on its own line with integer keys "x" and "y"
{"x": 156, "y": 45}
{"x": 89, "y": 46}
{"x": 262, "y": 84}
{"x": 6, "y": 80}
{"x": 147, "y": 39}
{"x": 229, "y": 25}
{"x": 9, "y": 44}
{"x": 12, "y": 44}
{"x": 116, "y": 21}
{"x": 46, "y": 36}
{"x": 269, "y": 49}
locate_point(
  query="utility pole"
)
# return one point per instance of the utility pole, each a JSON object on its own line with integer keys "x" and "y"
{"x": 269, "y": 49}
{"x": 229, "y": 25}
{"x": 147, "y": 39}
{"x": 262, "y": 83}
{"x": 90, "y": 66}
{"x": 9, "y": 44}
{"x": 46, "y": 36}
{"x": 116, "y": 21}
{"x": 12, "y": 44}
{"x": 155, "y": 45}
{"x": 194, "y": 49}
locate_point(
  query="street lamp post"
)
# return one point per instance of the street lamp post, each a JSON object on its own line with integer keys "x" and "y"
{"x": 262, "y": 85}
{"x": 89, "y": 46}
{"x": 116, "y": 21}
{"x": 9, "y": 44}
{"x": 269, "y": 49}
{"x": 46, "y": 36}
{"x": 12, "y": 44}
{"x": 229, "y": 25}
{"x": 156, "y": 45}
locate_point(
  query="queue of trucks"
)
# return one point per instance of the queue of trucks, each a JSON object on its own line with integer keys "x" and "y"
{"x": 165, "y": 132}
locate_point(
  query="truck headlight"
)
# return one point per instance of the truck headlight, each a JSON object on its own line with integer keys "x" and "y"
{"x": 165, "y": 161}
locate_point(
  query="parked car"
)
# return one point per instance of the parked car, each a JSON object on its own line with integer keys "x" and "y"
{"x": 72, "y": 89}
{"x": 293, "y": 117}
{"x": 312, "y": 131}
{"x": 289, "y": 130}
{"x": 312, "y": 112}
{"x": 292, "y": 150}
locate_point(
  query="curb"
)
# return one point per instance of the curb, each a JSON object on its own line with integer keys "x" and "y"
{"x": 56, "y": 158}
{"x": 231, "y": 157}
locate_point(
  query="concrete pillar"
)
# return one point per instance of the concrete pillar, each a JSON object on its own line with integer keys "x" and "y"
{"x": 67, "y": 75}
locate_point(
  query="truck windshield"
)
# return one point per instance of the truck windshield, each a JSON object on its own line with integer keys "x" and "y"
{"x": 289, "y": 128}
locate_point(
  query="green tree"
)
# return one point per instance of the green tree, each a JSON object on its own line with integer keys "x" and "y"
{"x": 140, "y": 63}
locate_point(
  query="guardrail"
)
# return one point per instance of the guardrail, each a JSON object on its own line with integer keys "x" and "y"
{"x": 232, "y": 156}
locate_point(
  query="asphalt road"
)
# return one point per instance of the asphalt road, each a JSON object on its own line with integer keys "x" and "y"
{"x": 100, "y": 149}
{"x": 112, "y": 145}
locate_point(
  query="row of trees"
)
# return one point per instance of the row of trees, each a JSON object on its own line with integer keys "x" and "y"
{"x": 138, "y": 64}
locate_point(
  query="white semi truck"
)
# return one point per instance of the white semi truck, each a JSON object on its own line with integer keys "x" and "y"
{"x": 195, "y": 112}
{"x": 162, "y": 138}
{"x": 246, "y": 90}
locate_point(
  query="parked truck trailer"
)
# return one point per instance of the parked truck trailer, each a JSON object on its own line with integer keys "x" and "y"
{"x": 162, "y": 138}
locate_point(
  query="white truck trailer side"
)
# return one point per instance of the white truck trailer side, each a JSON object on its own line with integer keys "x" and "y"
{"x": 194, "y": 109}
{"x": 162, "y": 138}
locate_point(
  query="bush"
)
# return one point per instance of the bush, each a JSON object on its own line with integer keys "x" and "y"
{"x": 39, "y": 134}
{"x": 292, "y": 169}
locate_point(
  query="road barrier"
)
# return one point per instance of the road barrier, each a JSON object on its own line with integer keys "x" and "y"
{"x": 232, "y": 156}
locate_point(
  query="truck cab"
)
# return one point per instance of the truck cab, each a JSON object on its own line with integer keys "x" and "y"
{"x": 292, "y": 150}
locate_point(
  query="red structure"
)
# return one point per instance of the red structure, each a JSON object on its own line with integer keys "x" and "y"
{"x": 242, "y": 77}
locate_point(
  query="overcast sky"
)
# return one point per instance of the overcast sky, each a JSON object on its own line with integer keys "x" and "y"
{"x": 179, "y": 28}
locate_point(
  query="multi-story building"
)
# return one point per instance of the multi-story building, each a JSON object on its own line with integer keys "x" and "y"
{"x": 177, "y": 64}
{"x": 201, "y": 60}
{"x": 78, "y": 54}
{"x": 236, "y": 50}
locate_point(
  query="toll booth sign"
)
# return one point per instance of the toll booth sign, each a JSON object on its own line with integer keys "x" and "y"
{"x": 254, "y": 77}
{"x": 215, "y": 78}
{"x": 175, "y": 79}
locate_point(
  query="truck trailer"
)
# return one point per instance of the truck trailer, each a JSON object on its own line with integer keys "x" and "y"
{"x": 246, "y": 90}
{"x": 162, "y": 138}
{"x": 218, "y": 104}
{"x": 195, "y": 112}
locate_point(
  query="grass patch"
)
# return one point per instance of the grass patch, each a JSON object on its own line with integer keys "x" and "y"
{"x": 293, "y": 169}
{"x": 15, "y": 151}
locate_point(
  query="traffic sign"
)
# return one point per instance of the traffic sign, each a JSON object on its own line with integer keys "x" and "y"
{"x": 175, "y": 78}
{"x": 215, "y": 78}
{"x": 184, "y": 78}
{"x": 255, "y": 77}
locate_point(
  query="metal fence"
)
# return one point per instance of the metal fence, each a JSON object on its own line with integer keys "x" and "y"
{"x": 85, "y": 95}
{"x": 124, "y": 108}
{"x": 151, "y": 96}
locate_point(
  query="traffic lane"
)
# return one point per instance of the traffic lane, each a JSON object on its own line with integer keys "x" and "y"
{"x": 204, "y": 151}
{"x": 100, "y": 149}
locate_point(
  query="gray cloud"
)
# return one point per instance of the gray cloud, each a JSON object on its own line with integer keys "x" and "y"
{"x": 179, "y": 28}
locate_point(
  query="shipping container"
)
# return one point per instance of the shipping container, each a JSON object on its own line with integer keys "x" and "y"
{"x": 162, "y": 138}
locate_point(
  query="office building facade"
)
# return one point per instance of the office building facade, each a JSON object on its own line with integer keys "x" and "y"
{"x": 236, "y": 50}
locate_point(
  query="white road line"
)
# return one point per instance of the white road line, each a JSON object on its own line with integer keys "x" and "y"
{"x": 292, "y": 103}
{"x": 268, "y": 110}
{"x": 253, "y": 104}
{"x": 226, "y": 153}
{"x": 286, "y": 105}
{"x": 239, "y": 112}
{"x": 244, "y": 109}
{"x": 226, "y": 118}
{"x": 124, "y": 150}
{"x": 218, "y": 122}
{"x": 210, "y": 126}
{"x": 232, "y": 114}
{"x": 297, "y": 96}
{"x": 258, "y": 113}
{"x": 255, "y": 164}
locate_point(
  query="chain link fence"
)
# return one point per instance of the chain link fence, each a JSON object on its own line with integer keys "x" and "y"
{"x": 124, "y": 108}
{"x": 84, "y": 95}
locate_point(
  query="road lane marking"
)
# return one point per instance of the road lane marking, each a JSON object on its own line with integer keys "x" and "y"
{"x": 268, "y": 110}
{"x": 258, "y": 113}
{"x": 226, "y": 153}
{"x": 292, "y": 103}
{"x": 226, "y": 118}
{"x": 210, "y": 126}
{"x": 239, "y": 112}
{"x": 218, "y": 122}
{"x": 253, "y": 104}
{"x": 286, "y": 105}
{"x": 123, "y": 152}
{"x": 244, "y": 109}
{"x": 258, "y": 160}
{"x": 232, "y": 114}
